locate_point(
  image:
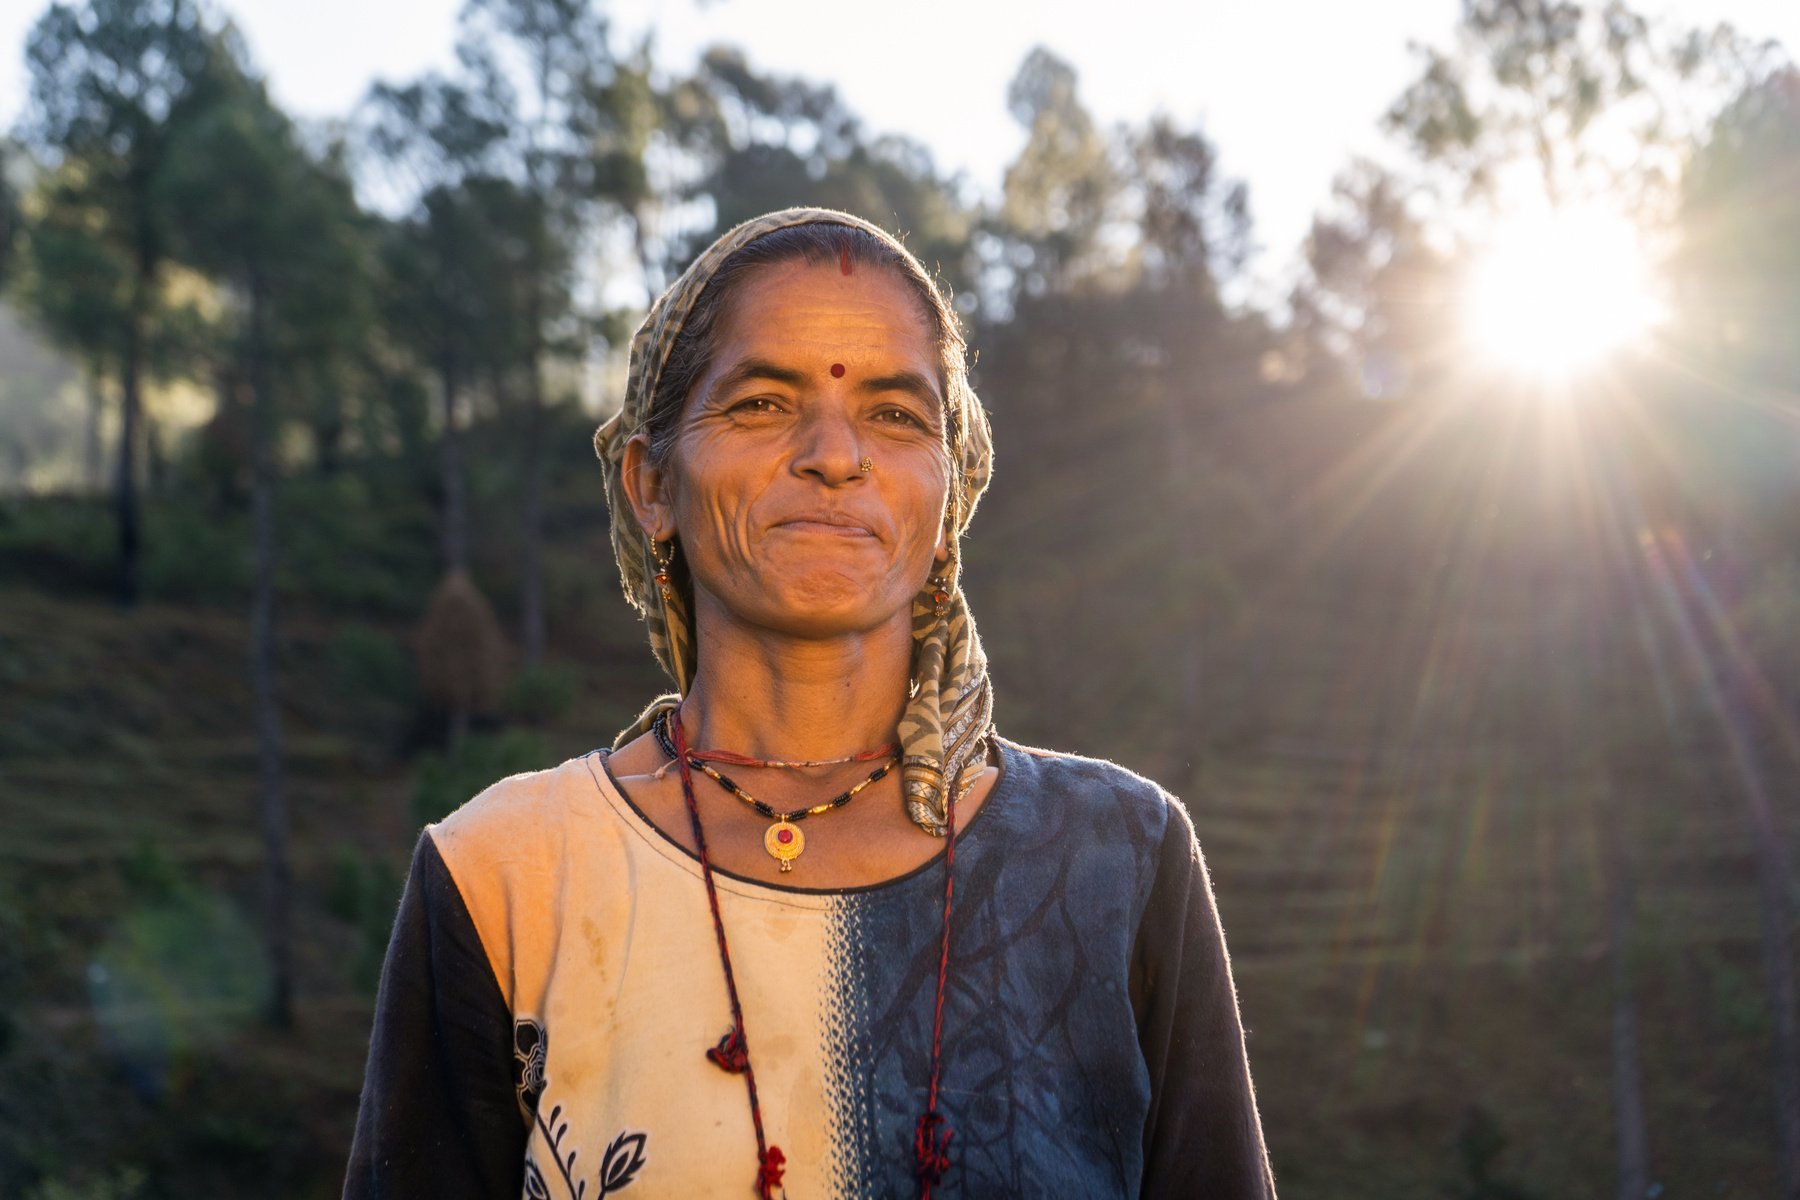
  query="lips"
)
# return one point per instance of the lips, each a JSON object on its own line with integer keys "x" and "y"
{"x": 829, "y": 524}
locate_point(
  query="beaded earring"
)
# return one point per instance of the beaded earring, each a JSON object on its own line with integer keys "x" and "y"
{"x": 940, "y": 595}
{"x": 664, "y": 553}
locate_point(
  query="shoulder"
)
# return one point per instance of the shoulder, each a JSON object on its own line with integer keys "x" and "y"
{"x": 1068, "y": 809}
{"x": 509, "y": 852}
{"x": 1092, "y": 787}
{"x": 518, "y": 819}
{"x": 1080, "y": 833}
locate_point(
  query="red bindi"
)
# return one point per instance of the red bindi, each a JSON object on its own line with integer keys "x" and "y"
{"x": 844, "y": 259}
{"x": 837, "y": 370}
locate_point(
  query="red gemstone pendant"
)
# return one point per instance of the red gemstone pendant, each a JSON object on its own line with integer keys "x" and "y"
{"x": 784, "y": 842}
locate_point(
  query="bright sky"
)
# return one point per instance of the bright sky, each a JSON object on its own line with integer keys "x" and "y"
{"x": 1287, "y": 89}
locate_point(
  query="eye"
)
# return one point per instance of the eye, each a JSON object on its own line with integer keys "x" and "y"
{"x": 757, "y": 406}
{"x": 896, "y": 415}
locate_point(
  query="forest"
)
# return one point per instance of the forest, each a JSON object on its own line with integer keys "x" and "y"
{"x": 1471, "y": 642}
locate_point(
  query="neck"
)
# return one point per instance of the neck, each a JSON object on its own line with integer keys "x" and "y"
{"x": 774, "y": 696}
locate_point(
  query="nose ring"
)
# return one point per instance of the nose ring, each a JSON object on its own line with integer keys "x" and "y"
{"x": 867, "y": 466}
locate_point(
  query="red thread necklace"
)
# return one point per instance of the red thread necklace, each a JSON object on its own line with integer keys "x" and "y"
{"x": 733, "y": 759}
{"x": 932, "y": 1133}
{"x": 783, "y": 840}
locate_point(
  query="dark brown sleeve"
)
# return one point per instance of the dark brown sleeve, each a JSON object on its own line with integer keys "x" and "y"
{"x": 439, "y": 1117}
{"x": 1203, "y": 1139}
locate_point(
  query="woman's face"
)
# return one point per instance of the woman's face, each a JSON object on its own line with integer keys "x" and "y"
{"x": 814, "y": 371}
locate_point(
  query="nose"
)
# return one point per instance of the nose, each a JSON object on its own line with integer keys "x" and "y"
{"x": 828, "y": 448}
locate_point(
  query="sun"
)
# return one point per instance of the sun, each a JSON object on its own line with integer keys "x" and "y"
{"x": 1556, "y": 294}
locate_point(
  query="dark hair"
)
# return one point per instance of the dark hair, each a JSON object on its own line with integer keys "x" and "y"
{"x": 815, "y": 244}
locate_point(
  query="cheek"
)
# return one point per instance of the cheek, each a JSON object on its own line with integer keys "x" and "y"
{"x": 933, "y": 509}
{"x": 705, "y": 505}
{"x": 946, "y": 481}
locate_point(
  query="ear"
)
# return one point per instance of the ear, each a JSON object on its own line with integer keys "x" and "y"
{"x": 942, "y": 553}
{"x": 647, "y": 490}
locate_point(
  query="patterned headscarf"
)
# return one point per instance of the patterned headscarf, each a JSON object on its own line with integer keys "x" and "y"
{"x": 944, "y": 730}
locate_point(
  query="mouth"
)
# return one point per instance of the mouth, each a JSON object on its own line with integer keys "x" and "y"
{"x": 828, "y": 525}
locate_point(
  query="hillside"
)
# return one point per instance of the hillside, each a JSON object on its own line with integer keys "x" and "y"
{"x": 1460, "y": 695}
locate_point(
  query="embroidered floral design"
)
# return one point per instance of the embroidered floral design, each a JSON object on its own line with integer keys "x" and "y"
{"x": 531, "y": 1047}
{"x": 622, "y": 1161}
{"x": 554, "y": 1131}
{"x": 624, "y": 1158}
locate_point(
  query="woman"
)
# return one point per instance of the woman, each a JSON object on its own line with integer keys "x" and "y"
{"x": 811, "y": 926}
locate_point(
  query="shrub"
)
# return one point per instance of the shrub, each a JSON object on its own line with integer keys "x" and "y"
{"x": 461, "y": 651}
{"x": 194, "y": 556}
{"x": 59, "y": 541}
{"x": 151, "y": 874}
{"x": 364, "y": 892}
{"x": 368, "y": 662}
{"x": 344, "y": 550}
{"x": 1479, "y": 1143}
{"x": 124, "y": 1183}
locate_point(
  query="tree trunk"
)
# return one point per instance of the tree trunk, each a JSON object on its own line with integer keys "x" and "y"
{"x": 1773, "y": 877}
{"x": 328, "y": 427}
{"x": 531, "y": 533}
{"x": 1628, "y": 1073}
{"x": 1614, "y": 592}
{"x": 1190, "y": 548}
{"x": 277, "y": 873}
{"x": 1190, "y": 536}
{"x": 456, "y": 515}
{"x": 125, "y": 494}
{"x": 96, "y": 450}
{"x": 531, "y": 550}
{"x": 1779, "y": 965}
{"x": 531, "y": 539}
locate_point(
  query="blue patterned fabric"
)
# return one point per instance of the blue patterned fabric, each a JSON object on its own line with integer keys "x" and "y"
{"x": 1043, "y": 1081}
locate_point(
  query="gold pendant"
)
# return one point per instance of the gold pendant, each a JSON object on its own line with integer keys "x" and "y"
{"x": 784, "y": 842}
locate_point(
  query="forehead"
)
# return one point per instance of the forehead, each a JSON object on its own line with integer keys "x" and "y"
{"x": 795, "y": 309}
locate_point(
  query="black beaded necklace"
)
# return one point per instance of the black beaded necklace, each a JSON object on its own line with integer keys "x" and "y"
{"x": 783, "y": 840}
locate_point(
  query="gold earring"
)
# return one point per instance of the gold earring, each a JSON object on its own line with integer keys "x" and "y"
{"x": 867, "y": 465}
{"x": 664, "y": 553}
{"x": 940, "y": 595}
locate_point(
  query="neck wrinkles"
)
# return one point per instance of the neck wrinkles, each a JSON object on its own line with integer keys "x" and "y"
{"x": 773, "y": 696}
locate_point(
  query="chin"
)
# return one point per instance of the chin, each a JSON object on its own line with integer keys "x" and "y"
{"x": 833, "y": 606}
{"x": 832, "y": 615}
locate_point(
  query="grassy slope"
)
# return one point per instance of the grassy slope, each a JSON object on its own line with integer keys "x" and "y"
{"x": 1398, "y": 798}
{"x": 123, "y": 731}
{"x": 1409, "y": 846}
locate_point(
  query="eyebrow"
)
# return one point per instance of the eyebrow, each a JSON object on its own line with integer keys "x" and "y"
{"x": 758, "y": 368}
{"x": 911, "y": 382}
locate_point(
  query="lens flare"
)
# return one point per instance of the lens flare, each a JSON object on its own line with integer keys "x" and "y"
{"x": 1559, "y": 293}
